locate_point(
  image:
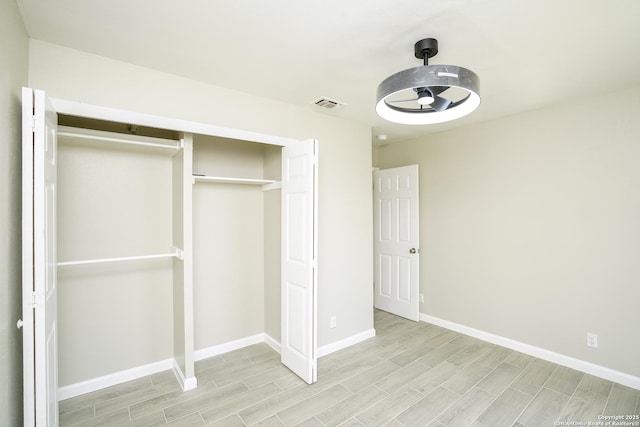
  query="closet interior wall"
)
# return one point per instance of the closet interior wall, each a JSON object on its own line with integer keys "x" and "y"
{"x": 236, "y": 241}
{"x": 272, "y": 247}
{"x": 114, "y": 200}
{"x": 117, "y": 200}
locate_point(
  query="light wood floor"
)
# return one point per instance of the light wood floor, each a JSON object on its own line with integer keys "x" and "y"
{"x": 410, "y": 374}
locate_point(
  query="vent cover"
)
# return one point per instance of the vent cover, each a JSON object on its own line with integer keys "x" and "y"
{"x": 328, "y": 103}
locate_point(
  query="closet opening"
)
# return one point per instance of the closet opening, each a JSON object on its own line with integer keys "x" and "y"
{"x": 112, "y": 288}
{"x": 173, "y": 246}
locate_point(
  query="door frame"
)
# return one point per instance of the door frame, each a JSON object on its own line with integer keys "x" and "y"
{"x": 72, "y": 108}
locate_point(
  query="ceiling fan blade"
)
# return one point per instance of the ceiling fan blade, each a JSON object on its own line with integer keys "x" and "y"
{"x": 402, "y": 100}
{"x": 437, "y": 90}
{"x": 440, "y": 104}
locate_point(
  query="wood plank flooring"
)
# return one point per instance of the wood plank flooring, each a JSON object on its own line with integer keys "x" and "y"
{"x": 410, "y": 374}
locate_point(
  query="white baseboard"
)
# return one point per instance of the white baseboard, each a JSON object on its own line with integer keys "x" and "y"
{"x": 94, "y": 384}
{"x": 73, "y": 390}
{"x": 98, "y": 383}
{"x": 216, "y": 350}
{"x": 271, "y": 342}
{"x": 541, "y": 353}
{"x": 344, "y": 343}
{"x": 186, "y": 383}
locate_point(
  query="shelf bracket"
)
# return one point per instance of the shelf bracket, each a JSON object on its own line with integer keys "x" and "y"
{"x": 179, "y": 253}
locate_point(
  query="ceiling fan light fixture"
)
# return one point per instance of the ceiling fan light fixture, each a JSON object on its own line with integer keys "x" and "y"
{"x": 429, "y": 82}
{"x": 425, "y": 97}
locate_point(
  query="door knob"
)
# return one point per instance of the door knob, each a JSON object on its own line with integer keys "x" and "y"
{"x": 413, "y": 251}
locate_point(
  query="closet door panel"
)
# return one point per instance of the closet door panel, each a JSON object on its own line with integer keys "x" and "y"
{"x": 39, "y": 281}
{"x": 299, "y": 180}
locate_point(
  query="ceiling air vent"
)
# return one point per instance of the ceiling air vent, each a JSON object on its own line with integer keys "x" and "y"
{"x": 329, "y": 104}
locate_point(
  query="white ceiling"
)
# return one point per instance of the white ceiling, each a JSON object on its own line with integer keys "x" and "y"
{"x": 528, "y": 54}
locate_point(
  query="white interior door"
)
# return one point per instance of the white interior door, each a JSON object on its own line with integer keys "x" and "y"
{"x": 39, "y": 260}
{"x": 298, "y": 290}
{"x": 397, "y": 254}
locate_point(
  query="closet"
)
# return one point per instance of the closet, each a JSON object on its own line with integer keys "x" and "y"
{"x": 125, "y": 220}
{"x": 170, "y": 244}
{"x": 236, "y": 239}
{"x": 121, "y": 246}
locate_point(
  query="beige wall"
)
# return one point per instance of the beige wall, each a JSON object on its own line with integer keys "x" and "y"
{"x": 345, "y": 224}
{"x": 530, "y": 226}
{"x": 228, "y": 243}
{"x": 13, "y": 75}
{"x": 112, "y": 203}
{"x": 272, "y": 248}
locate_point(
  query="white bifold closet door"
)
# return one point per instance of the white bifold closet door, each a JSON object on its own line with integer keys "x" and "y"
{"x": 299, "y": 248}
{"x": 39, "y": 281}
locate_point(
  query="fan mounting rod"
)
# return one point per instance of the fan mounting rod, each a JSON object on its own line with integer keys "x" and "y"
{"x": 425, "y": 49}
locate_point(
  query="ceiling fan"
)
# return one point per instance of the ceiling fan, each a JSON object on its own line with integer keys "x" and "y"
{"x": 430, "y": 93}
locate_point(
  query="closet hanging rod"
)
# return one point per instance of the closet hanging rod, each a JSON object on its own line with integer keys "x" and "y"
{"x": 231, "y": 180}
{"x": 119, "y": 259}
{"x": 171, "y": 144}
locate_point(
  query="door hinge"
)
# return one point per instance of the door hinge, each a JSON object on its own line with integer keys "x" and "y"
{"x": 33, "y": 123}
{"x": 34, "y": 299}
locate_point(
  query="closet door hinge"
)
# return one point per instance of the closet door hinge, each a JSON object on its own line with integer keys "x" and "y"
{"x": 34, "y": 299}
{"x": 33, "y": 123}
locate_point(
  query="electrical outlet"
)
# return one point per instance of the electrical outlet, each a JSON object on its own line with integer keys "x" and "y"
{"x": 333, "y": 321}
{"x": 421, "y": 297}
{"x": 592, "y": 340}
